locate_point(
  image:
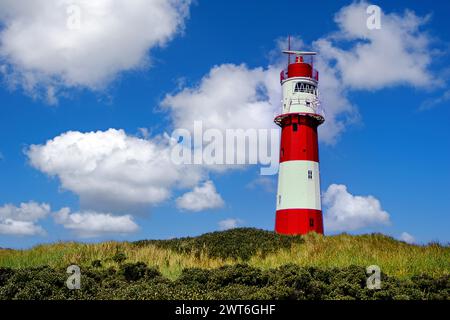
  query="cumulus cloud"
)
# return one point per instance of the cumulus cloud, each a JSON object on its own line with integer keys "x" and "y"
{"x": 49, "y": 45}
{"x": 21, "y": 220}
{"x": 397, "y": 53}
{"x": 229, "y": 223}
{"x": 111, "y": 170}
{"x": 20, "y": 228}
{"x": 88, "y": 224}
{"x": 228, "y": 97}
{"x": 347, "y": 212}
{"x": 200, "y": 198}
{"x": 405, "y": 236}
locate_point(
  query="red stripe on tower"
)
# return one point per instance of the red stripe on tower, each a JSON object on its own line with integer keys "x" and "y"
{"x": 298, "y": 221}
{"x": 299, "y": 139}
{"x": 298, "y": 197}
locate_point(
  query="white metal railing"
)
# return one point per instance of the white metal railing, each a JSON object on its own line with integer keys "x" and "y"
{"x": 313, "y": 103}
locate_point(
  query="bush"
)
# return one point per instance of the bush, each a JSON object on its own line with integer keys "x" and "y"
{"x": 5, "y": 274}
{"x": 119, "y": 257}
{"x": 138, "y": 281}
{"x": 237, "y": 274}
{"x": 194, "y": 276}
{"x": 96, "y": 263}
{"x": 137, "y": 271}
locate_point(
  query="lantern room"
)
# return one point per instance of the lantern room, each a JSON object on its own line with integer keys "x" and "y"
{"x": 302, "y": 66}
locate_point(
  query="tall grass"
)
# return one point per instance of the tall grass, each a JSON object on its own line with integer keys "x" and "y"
{"x": 394, "y": 257}
{"x": 63, "y": 254}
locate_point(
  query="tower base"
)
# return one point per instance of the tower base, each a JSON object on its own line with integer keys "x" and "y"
{"x": 298, "y": 221}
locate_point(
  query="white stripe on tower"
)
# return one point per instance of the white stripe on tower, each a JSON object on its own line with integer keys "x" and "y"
{"x": 298, "y": 185}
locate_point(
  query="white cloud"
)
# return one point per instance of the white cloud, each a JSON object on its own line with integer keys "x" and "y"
{"x": 347, "y": 212}
{"x": 200, "y": 198}
{"x": 229, "y": 97}
{"x": 398, "y": 53}
{"x": 41, "y": 50}
{"x": 22, "y": 220}
{"x": 88, "y": 224}
{"x": 405, "y": 236}
{"x": 20, "y": 228}
{"x": 29, "y": 211}
{"x": 229, "y": 223}
{"x": 110, "y": 170}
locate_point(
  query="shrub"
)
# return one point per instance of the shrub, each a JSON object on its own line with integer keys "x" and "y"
{"x": 119, "y": 257}
{"x": 138, "y": 281}
{"x": 237, "y": 274}
{"x": 96, "y": 263}
{"x": 137, "y": 271}
{"x": 194, "y": 276}
{"x": 5, "y": 274}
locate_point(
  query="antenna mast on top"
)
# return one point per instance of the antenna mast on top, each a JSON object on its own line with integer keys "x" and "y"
{"x": 289, "y": 49}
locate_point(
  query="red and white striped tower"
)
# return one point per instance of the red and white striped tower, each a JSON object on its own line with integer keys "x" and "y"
{"x": 298, "y": 198}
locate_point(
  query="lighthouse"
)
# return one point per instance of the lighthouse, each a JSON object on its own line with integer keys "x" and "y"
{"x": 298, "y": 205}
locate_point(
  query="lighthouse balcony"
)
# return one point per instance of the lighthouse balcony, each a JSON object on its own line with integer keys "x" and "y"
{"x": 300, "y": 106}
{"x": 303, "y": 105}
{"x": 287, "y": 117}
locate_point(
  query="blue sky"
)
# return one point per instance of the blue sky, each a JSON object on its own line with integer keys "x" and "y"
{"x": 393, "y": 144}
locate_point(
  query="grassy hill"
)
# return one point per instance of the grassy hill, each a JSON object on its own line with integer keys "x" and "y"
{"x": 254, "y": 264}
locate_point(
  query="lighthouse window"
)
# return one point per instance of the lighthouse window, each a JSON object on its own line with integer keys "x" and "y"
{"x": 311, "y": 222}
{"x": 310, "y": 174}
{"x": 294, "y": 127}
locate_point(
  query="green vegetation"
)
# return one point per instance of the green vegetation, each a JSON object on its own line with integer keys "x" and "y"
{"x": 234, "y": 264}
{"x": 240, "y": 243}
{"x": 137, "y": 281}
